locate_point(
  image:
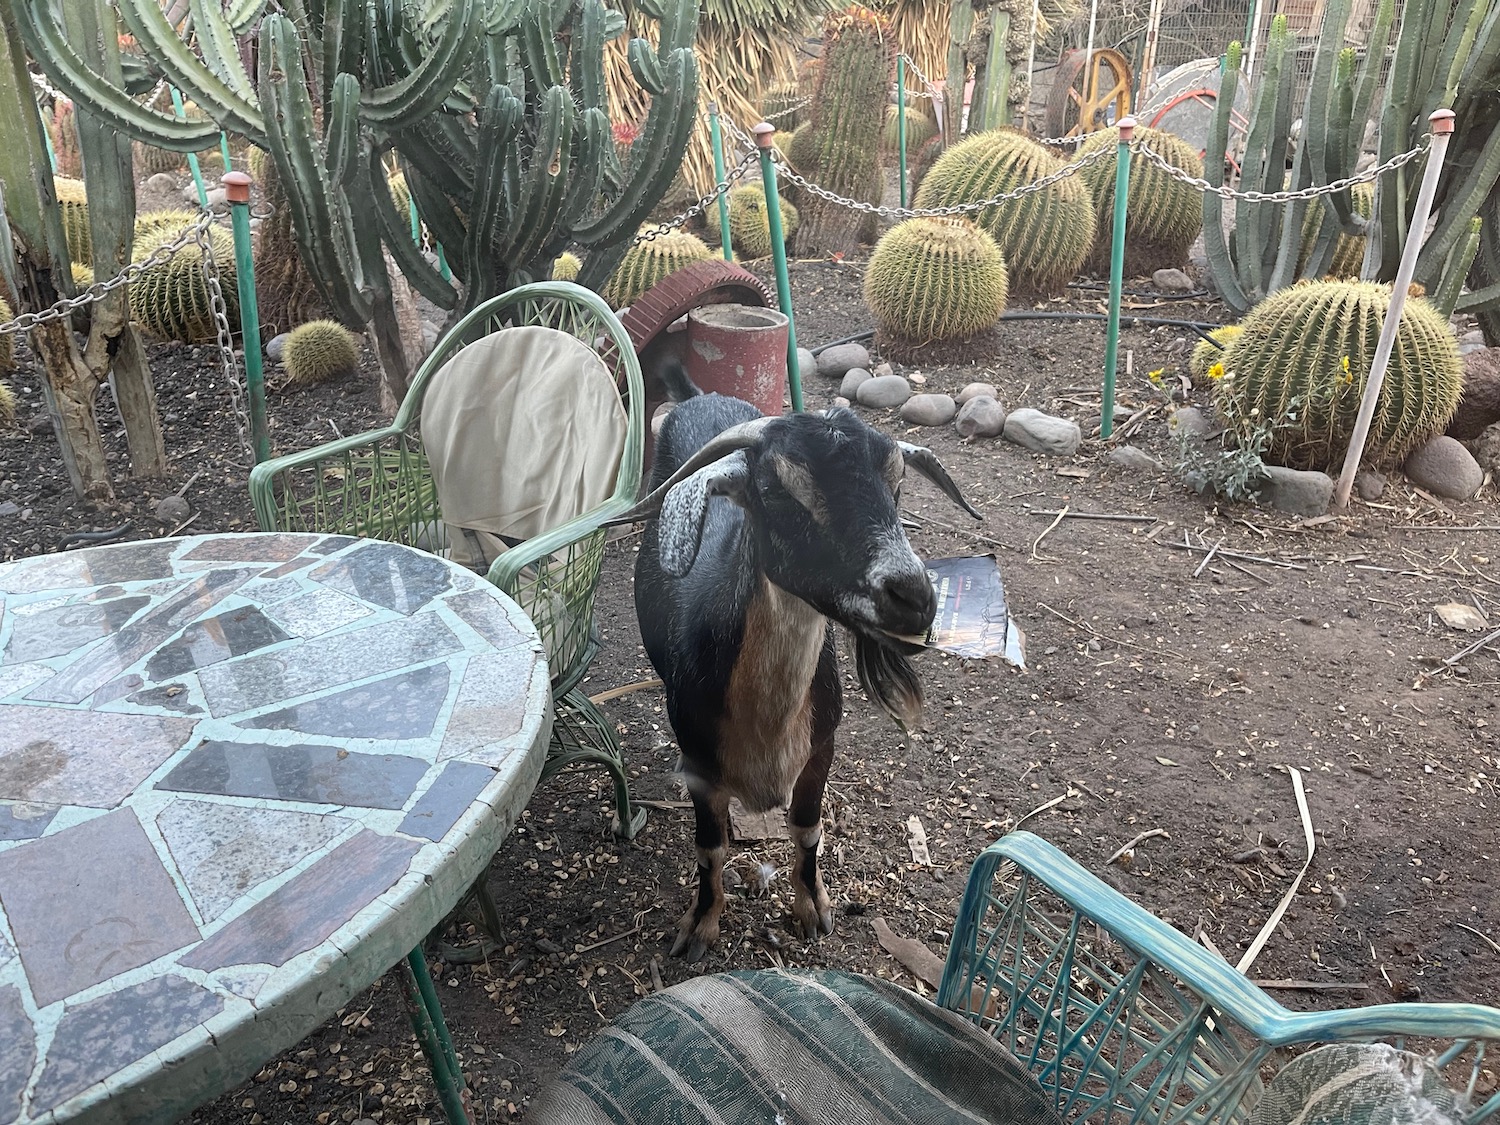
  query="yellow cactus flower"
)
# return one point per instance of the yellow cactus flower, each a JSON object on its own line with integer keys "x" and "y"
{"x": 1216, "y": 372}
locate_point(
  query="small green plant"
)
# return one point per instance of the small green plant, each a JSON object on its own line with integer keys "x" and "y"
{"x": 1233, "y": 470}
{"x": 319, "y": 352}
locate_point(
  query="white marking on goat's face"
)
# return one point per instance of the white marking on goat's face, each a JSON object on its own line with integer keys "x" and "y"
{"x": 893, "y": 560}
{"x": 798, "y": 481}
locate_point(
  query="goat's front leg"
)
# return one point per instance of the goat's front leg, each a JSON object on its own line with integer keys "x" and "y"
{"x": 804, "y": 822}
{"x": 699, "y": 927}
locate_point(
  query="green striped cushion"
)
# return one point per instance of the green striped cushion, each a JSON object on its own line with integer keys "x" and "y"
{"x": 780, "y": 1048}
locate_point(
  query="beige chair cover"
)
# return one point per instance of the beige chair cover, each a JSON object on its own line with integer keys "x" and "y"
{"x": 524, "y": 430}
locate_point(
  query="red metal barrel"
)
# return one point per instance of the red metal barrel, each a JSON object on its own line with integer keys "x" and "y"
{"x": 739, "y": 350}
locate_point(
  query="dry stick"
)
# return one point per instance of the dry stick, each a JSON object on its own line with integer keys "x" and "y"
{"x": 1038, "y": 541}
{"x": 966, "y": 531}
{"x": 1475, "y": 647}
{"x": 1208, "y": 558}
{"x": 187, "y": 484}
{"x": 1043, "y": 807}
{"x": 1446, "y": 527}
{"x": 1112, "y": 640}
{"x": 608, "y": 940}
{"x": 1281, "y": 907}
{"x": 1099, "y": 516}
{"x": 1237, "y": 555}
{"x": 1248, "y": 572}
{"x": 1125, "y": 847}
{"x": 1309, "y": 986}
{"x": 615, "y": 693}
{"x": 191, "y": 519}
{"x": 1482, "y": 937}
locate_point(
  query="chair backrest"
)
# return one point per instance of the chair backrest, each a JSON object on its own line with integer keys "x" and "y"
{"x": 1123, "y": 1018}
{"x": 524, "y": 430}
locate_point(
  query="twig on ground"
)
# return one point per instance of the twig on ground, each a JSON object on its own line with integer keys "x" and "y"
{"x": 1310, "y": 986}
{"x": 1102, "y": 637}
{"x": 608, "y": 940}
{"x": 1263, "y": 560}
{"x": 1098, "y": 516}
{"x": 1445, "y": 527}
{"x": 1134, "y": 840}
{"x": 1247, "y": 572}
{"x": 1044, "y": 806}
{"x": 615, "y": 693}
{"x": 1038, "y": 541}
{"x": 1208, "y": 558}
{"x": 187, "y": 484}
{"x": 966, "y": 531}
{"x": 1482, "y": 937}
{"x": 190, "y": 520}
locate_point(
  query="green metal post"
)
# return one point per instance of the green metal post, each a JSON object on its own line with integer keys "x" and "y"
{"x": 763, "y": 134}
{"x": 718, "y": 143}
{"x": 237, "y": 189}
{"x": 51, "y": 152}
{"x": 901, "y": 123}
{"x": 1116, "y": 274}
{"x": 432, "y": 1033}
{"x": 443, "y": 263}
{"x": 224, "y": 152}
{"x": 416, "y": 221}
{"x": 192, "y": 156}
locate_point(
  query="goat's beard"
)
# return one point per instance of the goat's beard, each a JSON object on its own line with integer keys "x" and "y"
{"x": 888, "y": 678}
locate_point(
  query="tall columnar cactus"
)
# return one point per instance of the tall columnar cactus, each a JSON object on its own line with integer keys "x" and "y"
{"x": 1045, "y": 236}
{"x": 647, "y": 262}
{"x": 842, "y": 148}
{"x": 935, "y": 279}
{"x": 1164, "y": 215}
{"x": 749, "y": 221}
{"x": 1301, "y": 363}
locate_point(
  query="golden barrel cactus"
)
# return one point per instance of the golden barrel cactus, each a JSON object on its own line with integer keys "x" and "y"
{"x": 935, "y": 279}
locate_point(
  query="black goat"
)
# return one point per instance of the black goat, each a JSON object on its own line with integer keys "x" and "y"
{"x": 765, "y": 529}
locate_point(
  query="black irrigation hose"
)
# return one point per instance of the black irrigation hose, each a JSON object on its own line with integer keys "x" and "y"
{"x": 1201, "y": 327}
{"x": 1100, "y": 286}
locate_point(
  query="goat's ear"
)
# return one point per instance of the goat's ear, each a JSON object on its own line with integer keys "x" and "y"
{"x": 924, "y": 461}
{"x": 679, "y": 529}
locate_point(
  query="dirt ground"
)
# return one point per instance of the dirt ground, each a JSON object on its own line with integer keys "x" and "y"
{"x": 1166, "y": 695}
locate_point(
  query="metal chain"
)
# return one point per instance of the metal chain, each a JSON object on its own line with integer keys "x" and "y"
{"x": 957, "y": 209}
{"x": 1367, "y": 176}
{"x": 220, "y": 312}
{"x": 100, "y": 289}
{"x": 735, "y": 173}
{"x": 931, "y": 91}
{"x": 795, "y": 107}
{"x": 1064, "y": 142}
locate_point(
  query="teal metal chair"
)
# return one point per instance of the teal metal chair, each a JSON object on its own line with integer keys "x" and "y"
{"x": 379, "y": 485}
{"x": 1094, "y": 1010}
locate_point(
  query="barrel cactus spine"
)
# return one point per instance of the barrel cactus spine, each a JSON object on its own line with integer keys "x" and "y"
{"x": 319, "y": 352}
{"x": 650, "y": 260}
{"x": 7, "y": 350}
{"x": 1301, "y": 364}
{"x": 1165, "y": 214}
{"x": 935, "y": 279}
{"x": 1046, "y": 235}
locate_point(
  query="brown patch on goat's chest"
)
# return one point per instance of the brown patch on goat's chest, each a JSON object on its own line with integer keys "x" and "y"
{"x": 765, "y": 736}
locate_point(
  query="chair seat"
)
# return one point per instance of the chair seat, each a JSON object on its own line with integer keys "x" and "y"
{"x": 792, "y": 1048}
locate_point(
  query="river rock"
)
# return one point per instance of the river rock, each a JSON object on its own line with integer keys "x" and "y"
{"x": 1172, "y": 281}
{"x": 981, "y": 416}
{"x": 929, "y": 410}
{"x": 1369, "y": 484}
{"x": 852, "y": 380}
{"x": 1298, "y": 491}
{"x": 836, "y": 362}
{"x": 275, "y": 346}
{"x": 977, "y": 390}
{"x": 1479, "y": 405}
{"x": 1133, "y": 460}
{"x": 172, "y": 509}
{"x": 883, "y": 391}
{"x": 807, "y": 363}
{"x": 1042, "y": 433}
{"x": 1190, "y": 420}
{"x": 1444, "y": 467}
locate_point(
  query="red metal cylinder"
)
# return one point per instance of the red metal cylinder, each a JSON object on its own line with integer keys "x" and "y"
{"x": 739, "y": 350}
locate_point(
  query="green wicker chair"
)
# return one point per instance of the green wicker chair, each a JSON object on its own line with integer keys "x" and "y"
{"x": 1094, "y": 1009}
{"x": 379, "y": 485}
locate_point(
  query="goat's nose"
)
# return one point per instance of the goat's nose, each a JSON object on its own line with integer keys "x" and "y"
{"x": 906, "y": 601}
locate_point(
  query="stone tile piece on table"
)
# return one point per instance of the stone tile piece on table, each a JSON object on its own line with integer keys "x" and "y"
{"x": 303, "y": 912}
{"x": 116, "y": 689}
{"x": 317, "y": 612}
{"x": 291, "y": 566}
{"x": 94, "y": 758}
{"x": 447, "y": 799}
{"x": 388, "y": 575}
{"x": 269, "y": 589}
{"x": 96, "y": 1039}
{"x": 169, "y": 697}
{"x": 232, "y": 633}
{"x": 405, "y": 705}
{"x": 32, "y": 576}
{"x": 319, "y": 775}
{"x": 88, "y": 903}
{"x": 224, "y": 851}
{"x": 107, "y": 660}
{"x": 481, "y": 611}
{"x": 64, "y": 628}
{"x": 491, "y": 706}
{"x": 7, "y": 952}
{"x": 245, "y": 984}
{"x": 332, "y": 544}
{"x": 132, "y": 562}
{"x": 324, "y": 662}
{"x": 22, "y": 821}
{"x": 16, "y": 678}
{"x": 248, "y": 548}
{"x": 17, "y": 1053}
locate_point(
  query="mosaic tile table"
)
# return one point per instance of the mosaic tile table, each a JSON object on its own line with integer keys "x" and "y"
{"x": 240, "y": 777}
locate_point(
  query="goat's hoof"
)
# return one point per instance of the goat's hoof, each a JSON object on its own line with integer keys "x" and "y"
{"x": 695, "y": 936}
{"x": 813, "y": 921}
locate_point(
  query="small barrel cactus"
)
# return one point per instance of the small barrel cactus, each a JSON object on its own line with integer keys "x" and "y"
{"x": 919, "y": 130}
{"x": 749, "y": 223}
{"x": 1301, "y": 363}
{"x": 567, "y": 267}
{"x": 7, "y": 405}
{"x": 319, "y": 351}
{"x": 935, "y": 279}
{"x": 648, "y": 261}
{"x": 1165, "y": 214}
{"x": 7, "y": 343}
{"x": 149, "y": 160}
{"x": 1349, "y": 253}
{"x": 920, "y": 163}
{"x": 1045, "y": 236}
{"x": 171, "y": 301}
{"x": 83, "y": 276}
{"x": 73, "y": 202}
{"x": 1205, "y": 355}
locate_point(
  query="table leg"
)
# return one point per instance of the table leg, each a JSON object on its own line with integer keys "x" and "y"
{"x": 432, "y": 1033}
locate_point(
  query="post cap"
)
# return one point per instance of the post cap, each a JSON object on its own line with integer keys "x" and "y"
{"x": 1442, "y": 121}
{"x": 763, "y": 134}
{"x": 1126, "y": 126}
{"x": 236, "y": 187}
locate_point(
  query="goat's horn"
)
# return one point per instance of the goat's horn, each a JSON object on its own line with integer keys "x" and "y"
{"x": 722, "y": 445}
{"x": 924, "y": 461}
